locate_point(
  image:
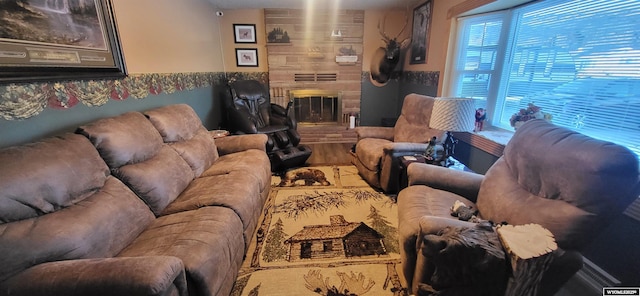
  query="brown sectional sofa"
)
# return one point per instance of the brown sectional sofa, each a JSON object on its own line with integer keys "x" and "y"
{"x": 138, "y": 204}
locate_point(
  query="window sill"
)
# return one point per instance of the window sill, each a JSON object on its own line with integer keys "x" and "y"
{"x": 491, "y": 140}
{"x": 498, "y": 135}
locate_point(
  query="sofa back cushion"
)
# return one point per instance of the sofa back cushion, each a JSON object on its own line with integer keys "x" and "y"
{"x": 158, "y": 180}
{"x": 567, "y": 182}
{"x": 181, "y": 128}
{"x": 43, "y": 177}
{"x": 125, "y": 139}
{"x": 413, "y": 123}
{"x": 58, "y": 202}
{"x": 134, "y": 150}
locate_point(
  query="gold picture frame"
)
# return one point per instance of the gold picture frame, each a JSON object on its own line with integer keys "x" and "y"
{"x": 70, "y": 42}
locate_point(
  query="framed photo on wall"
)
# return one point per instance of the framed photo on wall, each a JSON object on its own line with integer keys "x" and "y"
{"x": 77, "y": 40}
{"x": 244, "y": 33}
{"x": 420, "y": 35}
{"x": 246, "y": 57}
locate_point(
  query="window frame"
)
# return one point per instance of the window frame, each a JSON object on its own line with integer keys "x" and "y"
{"x": 499, "y": 82}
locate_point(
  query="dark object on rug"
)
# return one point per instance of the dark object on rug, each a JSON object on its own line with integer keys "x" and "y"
{"x": 464, "y": 261}
{"x": 249, "y": 111}
{"x": 462, "y": 211}
{"x": 353, "y": 284}
{"x": 309, "y": 176}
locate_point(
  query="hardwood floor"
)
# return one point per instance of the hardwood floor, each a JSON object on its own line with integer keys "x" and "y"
{"x": 330, "y": 153}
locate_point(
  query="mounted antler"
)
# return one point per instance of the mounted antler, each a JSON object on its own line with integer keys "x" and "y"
{"x": 386, "y": 38}
{"x": 386, "y": 59}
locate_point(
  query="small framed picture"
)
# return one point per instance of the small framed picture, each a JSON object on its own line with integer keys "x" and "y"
{"x": 246, "y": 57}
{"x": 244, "y": 33}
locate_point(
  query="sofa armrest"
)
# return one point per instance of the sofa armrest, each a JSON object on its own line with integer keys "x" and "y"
{"x": 465, "y": 184}
{"x": 153, "y": 275}
{"x": 232, "y": 144}
{"x": 374, "y": 132}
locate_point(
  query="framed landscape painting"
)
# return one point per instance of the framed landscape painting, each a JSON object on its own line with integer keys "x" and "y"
{"x": 58, "y": 40}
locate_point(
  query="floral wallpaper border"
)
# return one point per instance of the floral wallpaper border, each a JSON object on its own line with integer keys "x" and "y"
{"x": 21, "y": 101}
{"x": 429, "y": 78}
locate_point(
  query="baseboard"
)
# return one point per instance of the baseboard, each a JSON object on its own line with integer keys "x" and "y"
{"x": 589, "y": 281}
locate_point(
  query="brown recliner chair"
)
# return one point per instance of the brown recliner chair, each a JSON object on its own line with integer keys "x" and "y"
{"x": 569, "y": 183}
{"x": 250, "y": 111}
{"x": 378, "y": 148}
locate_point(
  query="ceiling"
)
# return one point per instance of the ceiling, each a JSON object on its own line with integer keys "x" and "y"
{"x": 317, "y": 4}
{"x": 348, "y": 4}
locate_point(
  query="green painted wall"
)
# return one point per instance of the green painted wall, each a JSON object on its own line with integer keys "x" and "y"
{"x": 53, "y": 121}
{"x": 380, "y": 104}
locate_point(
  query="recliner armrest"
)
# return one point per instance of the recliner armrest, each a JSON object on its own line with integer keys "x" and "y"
{"x": 237, "y": 143}
{"x": 465, "y": 184}
{"x": 404, "y": 148}
{"x": 240, "y": 121}
{"x": 153, "y": 275}
{"x": 282, "y": 116}
{"x": 374, "y": 132}
{"x": 278, "y": 110}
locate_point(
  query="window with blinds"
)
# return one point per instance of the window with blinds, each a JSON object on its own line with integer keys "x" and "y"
{"x": 477, "y": 57}
{"x": 578, "y": 60}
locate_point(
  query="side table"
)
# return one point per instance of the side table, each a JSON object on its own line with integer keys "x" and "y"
{"x": 405, "y": 161}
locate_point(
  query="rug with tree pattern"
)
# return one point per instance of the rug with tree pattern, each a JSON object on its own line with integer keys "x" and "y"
{"x": 324, "y": 231}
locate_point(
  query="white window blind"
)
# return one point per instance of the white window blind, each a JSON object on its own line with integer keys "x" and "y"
{"x": 478, "y": 54}
{"x": 578, "y": 60}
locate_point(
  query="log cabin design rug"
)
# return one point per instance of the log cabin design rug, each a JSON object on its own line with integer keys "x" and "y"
{"x": 324, "y": 231}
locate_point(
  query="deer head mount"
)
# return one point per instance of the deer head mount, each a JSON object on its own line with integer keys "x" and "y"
{"x": 386, "y": 59}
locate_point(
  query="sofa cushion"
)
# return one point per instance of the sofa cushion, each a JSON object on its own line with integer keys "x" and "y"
{"x": 43, "y": 177}
{"x": 125, "y": 139}
{"x": 199, "y": 152}
{"x": 158, "y": 180}
{"x": 207, "y": 240}
{"x": 181, "y": 127}
{"x": 236, "y": 190}
{"x": 421, "y": 200}
{"x": 413, "y": 124}
{"x": 253, "y": 162}
{"x": 175, "y": 122}
{"x": 513, "y": 204}
{"x": 101, "y": 225}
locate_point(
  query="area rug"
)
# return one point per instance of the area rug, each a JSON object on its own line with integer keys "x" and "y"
{"x": 324, "y": 231}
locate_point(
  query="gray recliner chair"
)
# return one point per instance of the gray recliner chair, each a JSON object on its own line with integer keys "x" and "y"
{"x": 378, "y": 148}
{"x": 569, "y": 183}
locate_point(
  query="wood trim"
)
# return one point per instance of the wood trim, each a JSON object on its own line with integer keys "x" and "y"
{"x": 466, "y": 6}
{"x": 481, "y": 143}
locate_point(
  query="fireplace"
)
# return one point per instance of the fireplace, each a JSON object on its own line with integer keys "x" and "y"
{"x": 317, "y": 106}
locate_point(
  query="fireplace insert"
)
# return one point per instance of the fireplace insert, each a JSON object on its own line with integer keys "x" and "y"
{"x": 316, "y": 106}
